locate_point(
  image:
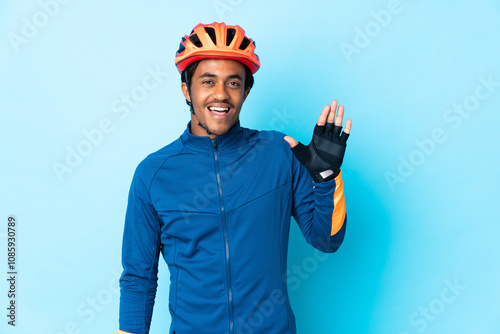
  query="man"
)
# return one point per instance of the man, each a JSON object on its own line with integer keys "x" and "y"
{"x": 217, "y": 202}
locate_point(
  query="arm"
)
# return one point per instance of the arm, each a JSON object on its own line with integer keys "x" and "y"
{"x": 319, "y": 207}
{"x": 140, "y": 253}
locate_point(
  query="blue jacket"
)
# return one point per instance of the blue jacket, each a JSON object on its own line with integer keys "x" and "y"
{"x": 219, "y": 211}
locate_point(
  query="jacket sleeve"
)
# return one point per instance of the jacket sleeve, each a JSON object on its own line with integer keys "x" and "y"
{"x": 140, "y": 253}
{"x": 319, "y": 209}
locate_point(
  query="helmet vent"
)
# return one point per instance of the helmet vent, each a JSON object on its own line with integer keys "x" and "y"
{"x": 181, "y": 48}
{"x": 230, "y": 36}
{"x": 196, "y": 41}
{"x": 211, "y": 32}
{"x": 244, "y": 44}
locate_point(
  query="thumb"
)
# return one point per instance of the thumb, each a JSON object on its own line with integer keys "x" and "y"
{"x": 291, "y": 141}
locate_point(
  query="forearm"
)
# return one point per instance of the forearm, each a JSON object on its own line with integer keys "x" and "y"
{"x": 138, "y": 285}
{"x": 320, "y": 211}
{"x": 136, "y": 305}
{"x": 330, "y": 218}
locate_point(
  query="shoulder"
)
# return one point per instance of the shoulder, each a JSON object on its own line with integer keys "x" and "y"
{"x": 271, "y": 138}
{"x": 151, "y": 164}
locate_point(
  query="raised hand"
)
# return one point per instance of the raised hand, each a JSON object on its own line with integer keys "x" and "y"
{"x": 325, "y": 153}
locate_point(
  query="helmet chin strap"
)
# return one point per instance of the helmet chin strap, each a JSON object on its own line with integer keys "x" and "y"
{"x": 191, "y": 106}
{"x": 199, "y": 123}
{"x": 204, "y": 127}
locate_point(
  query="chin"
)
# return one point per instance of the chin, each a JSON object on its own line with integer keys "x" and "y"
{"x": 219, "y": 128}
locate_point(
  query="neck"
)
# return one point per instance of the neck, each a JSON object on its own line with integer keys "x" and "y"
{"x": 198, "y": 129}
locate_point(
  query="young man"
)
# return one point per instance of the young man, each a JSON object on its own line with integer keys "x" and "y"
{"x": 217, "y": 202}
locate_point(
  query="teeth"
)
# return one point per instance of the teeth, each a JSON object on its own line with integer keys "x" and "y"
{"x": 219, "y": 109}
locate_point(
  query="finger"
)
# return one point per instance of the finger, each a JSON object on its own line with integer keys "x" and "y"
{"x": 333, "y": 108}
{"x": 301, "y": 152}
{"x": 343, "y": 137}
{"x": 324, "y": 114}
{"x": 336, "y": 131}
{"x": 348, "y": 125}
{"x": 291, "y": 141}
{"x": 328, "y": 128}
{"x": 319, "y": 129}
{"x": 340, "y": 115}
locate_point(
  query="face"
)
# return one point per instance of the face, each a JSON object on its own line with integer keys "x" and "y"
{"x": 217, "y": 94}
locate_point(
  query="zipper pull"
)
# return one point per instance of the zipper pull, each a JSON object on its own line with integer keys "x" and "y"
{"x": 214, "y": 143}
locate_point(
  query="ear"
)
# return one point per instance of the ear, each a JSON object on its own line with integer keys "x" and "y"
{"x": 247, "y": 91}
{"x": 185, "y": 91}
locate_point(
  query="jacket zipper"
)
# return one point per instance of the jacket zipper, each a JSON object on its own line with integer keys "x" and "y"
{"x": 226, "y": 239}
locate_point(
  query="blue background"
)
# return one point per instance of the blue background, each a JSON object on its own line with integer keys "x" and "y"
{"x": 421, "y": 180}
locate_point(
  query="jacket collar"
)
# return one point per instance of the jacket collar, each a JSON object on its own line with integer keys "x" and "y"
{"x": 203, "y": 144}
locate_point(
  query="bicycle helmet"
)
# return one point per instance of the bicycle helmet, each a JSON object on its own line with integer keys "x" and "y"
{"x": 217, "y": 40}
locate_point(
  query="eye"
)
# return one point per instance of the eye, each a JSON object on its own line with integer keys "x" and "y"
{"x": 207, "y": 82}
{"x": 234, "y": 83}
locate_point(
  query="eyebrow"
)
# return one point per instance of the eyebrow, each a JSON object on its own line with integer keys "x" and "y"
{"x": 207, "y": 75}
{"x": 210, "y": 75}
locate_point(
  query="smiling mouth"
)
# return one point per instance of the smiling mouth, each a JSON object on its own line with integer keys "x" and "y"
{"x": 219, "y": 112}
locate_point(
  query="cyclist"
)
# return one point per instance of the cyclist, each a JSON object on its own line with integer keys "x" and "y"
{"x": 217, "y": 202}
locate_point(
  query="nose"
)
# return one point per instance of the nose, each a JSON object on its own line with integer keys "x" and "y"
{"x": 220, "y": 92}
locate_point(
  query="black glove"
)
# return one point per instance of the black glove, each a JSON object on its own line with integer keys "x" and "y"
{"x": 324, "y": 154}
